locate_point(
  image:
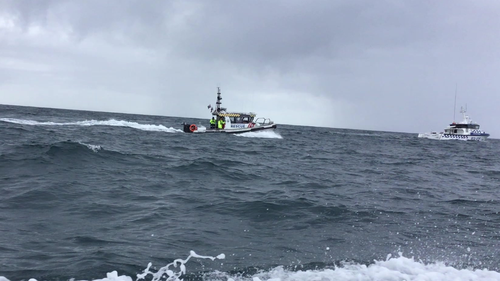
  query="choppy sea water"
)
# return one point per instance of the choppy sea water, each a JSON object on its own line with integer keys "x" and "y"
{"x": 104, "y": 196}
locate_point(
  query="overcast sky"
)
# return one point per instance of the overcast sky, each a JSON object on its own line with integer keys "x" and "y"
{"x": 389, "y": 65}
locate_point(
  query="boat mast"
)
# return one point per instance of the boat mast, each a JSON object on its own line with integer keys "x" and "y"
{"x": 219, "y": 98}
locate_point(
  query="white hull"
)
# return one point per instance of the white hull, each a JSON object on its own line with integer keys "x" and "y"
{"x": 237, "y": 130}
{"x": 441, "y": 136}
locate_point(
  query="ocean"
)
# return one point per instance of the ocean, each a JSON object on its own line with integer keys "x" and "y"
{"x": 119, "y": 197}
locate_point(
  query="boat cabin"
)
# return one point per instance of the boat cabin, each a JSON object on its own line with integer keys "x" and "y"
{"x": 461, "y": 128}
{"x": 239, "y": 118}
{"x": 465, "y": 126}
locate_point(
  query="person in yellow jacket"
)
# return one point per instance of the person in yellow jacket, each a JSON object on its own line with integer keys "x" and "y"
{"x": 212, "y": 123}
{"x": 221, "y": 123}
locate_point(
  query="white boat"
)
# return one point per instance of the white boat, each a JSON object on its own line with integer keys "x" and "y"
{"x": 235, "y": 122}
{"x": 465, "y": 130}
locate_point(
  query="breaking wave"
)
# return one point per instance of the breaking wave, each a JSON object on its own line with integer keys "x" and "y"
{"x": 110, "y": 122}
{"x": 75, "y": 150}
{"x": 398, "y": 268}
{"x": 93, "y": 147}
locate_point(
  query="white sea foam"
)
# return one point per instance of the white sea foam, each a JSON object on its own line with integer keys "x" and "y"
{"x": 92, "y": 147}
{"x": 393, "y": 269}
{"x": 399, "y": 268}
{"x": 169, "y": 274}
{"x": 266, "y": 134}
{"x": 111, "y": 122}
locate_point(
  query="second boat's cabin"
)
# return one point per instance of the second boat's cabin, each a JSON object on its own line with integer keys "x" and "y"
{"x": 471, "y": 126}
{"x": 460, "y": 128}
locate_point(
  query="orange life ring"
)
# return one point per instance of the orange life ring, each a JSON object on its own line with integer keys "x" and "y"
{"x": 193, "y": 128}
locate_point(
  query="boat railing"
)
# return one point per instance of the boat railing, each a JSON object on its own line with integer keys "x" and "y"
{"x": 263, "y": 121}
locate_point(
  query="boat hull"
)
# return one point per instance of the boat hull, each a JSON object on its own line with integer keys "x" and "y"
{"x": 440, "y": 136}
{"x": 231, "y": 131}
{"x": 243, "y": 130}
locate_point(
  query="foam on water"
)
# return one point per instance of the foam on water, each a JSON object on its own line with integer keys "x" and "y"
{"x": 266, "y": 134}
{"x": 169, "y": 274}
{"x": 399, "y": 268}
{"x": 94, "y": 148}
{"x": 110, "y": 122}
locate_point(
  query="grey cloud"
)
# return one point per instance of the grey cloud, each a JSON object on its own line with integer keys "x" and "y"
{"x": 236, "y": 30}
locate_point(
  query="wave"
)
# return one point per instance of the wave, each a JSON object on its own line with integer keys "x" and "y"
{"x": 400, "y": 268}
{"x": 38, "y": 152}
{"x": 86, "y": 123}
{"x": 94, "y": 148}
{"x": 72, "y": 147}
{"x": 261, "y": 134}
{"x": 393, "y": 268}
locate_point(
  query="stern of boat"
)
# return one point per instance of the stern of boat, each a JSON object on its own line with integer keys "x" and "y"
{"x": 193, "y": 128}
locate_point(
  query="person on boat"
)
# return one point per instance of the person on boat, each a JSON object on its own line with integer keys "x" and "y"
{"x": 212, "y": 123}
{"x": 221, "y": 123}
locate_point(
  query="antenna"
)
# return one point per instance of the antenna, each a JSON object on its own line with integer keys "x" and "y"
{"x": 455, "y": 105}
{"x": 219, "y": 98}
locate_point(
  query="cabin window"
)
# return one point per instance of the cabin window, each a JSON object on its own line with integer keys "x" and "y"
{"x": 245, "y": 119}
{"x": 455, "y": 131}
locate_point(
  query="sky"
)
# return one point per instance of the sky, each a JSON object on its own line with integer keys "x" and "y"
{"x": 385, "y": 65}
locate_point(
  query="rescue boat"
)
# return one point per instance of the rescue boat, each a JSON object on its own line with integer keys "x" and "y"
{"x": 231, "y": 122}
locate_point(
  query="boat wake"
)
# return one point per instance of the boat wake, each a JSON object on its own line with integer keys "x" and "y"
{"x": 86, "y": 123}
{"x": 261, "y": 134}
{"x": 393, "y": 268}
